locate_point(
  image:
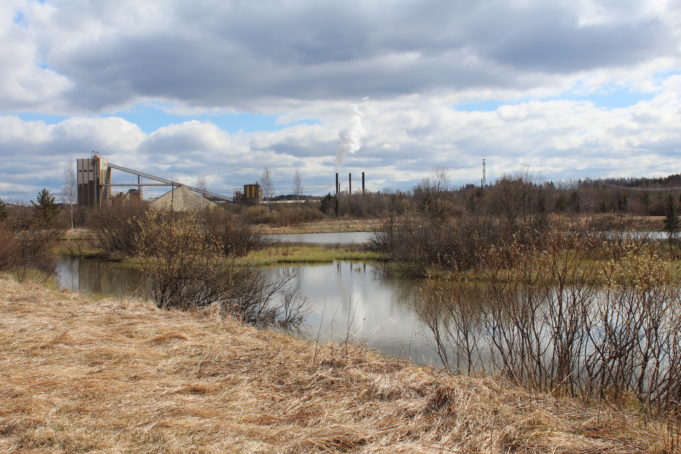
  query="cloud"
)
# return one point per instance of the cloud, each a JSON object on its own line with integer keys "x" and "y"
{"x": 404, "y": 140}
{"x": 86, "y": 56}
{"x": 408, "y": 63}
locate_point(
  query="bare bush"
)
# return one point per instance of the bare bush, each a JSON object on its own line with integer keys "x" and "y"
{"x": 25, "y": 243}
{"x": 35, "y": 246}
{"x": 10, "y": 252}
{"x": 559, "y": 322}
{"x": 187, "y": 270}
{"x": 115, "y": 227}
{"x": 283, "y": 215}
{"x": 456, "y": 323}
{"x": 235, "y": 238}
{"x": 455, "y": 243}
{"x": 446, "y": 230}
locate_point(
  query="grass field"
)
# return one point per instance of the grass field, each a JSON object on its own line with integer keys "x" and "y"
{"x": 83, "y": 374}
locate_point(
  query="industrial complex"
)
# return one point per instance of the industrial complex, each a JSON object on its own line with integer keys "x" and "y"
{"x": 95, "y": 184}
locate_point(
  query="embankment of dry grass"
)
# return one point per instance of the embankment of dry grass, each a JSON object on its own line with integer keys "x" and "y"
{"x": 80, "y": 374}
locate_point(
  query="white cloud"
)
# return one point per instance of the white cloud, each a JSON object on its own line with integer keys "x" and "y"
{"x": 406, "y": 64}
{"x": 404, "y": 141}
{"x": 84, "y": 56}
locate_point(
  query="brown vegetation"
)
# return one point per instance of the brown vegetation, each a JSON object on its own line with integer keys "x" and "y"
{"x": 114, "y": 227}
{"x": 117, "y": 226}
{"x": 81, "y": 375}
{"x": 555, "y": 319}
{"x": 25, "y": 241}
{"x": 187, "y": 269}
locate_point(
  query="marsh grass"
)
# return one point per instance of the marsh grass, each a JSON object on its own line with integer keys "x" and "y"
{"x": 276, "y": 255}
{"x": 81, "y": 375}
{"x": 326, "y": 226}
{"x": 78, "y": 248}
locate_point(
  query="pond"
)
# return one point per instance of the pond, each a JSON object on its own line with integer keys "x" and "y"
{"x": 465, "y": 326}
{"x": 322, "y": 239}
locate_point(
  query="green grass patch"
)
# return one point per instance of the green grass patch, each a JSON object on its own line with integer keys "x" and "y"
{"x": 81, "y": 249}
{"x": 305, "y": 254}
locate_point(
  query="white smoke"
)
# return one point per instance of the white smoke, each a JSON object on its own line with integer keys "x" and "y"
{"x": 350, "y": 138}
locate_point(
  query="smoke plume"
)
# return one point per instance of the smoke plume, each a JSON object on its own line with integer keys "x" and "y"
{"x": 350, "y": 138}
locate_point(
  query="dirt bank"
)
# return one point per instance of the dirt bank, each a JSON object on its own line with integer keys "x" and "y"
{"x": 80, "y": 374}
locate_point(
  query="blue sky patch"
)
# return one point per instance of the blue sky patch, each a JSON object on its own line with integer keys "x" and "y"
{"x": 19, "y": 18}
{"x": 479, "y": 106}
{"x": 614, "y": 99}
{"x": 605, "y": 99}
{"x": 149, "y": 119}
{"x": 45, "y": 118}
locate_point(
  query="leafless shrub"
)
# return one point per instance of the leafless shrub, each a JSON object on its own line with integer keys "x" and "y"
{"x": 637, "y": 345}
{"x": 35, "y": 246}
{"x": 368, "y": 205}
{"x": 258, "y": 214}
{"x": 456, "y": 324}
{"x": 283, "y": 215}
{"x": 441, "y": 231}
{"x": 10, "y": 253}
{"x": 115, "y": 227}
{"x": 28, "y": 247}
{"x": 187, "y": 270}
{"x": 559, "y": 322}
{"x": 235, "y": 238}
{"x": 452, "y": 243}
{"x": 537, "y": 317}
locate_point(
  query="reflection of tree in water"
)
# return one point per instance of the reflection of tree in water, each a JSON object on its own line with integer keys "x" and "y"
{"x": 454, "y": 313}
{"x": 404, "y": 289}
{"x": 550, "y": 326}
{"x": 105, "y": 278}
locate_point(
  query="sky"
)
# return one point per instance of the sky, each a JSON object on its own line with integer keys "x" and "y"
{"x": 218, "y": 90}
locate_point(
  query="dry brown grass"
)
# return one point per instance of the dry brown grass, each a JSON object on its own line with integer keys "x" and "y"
{"x": 80, "y": 375}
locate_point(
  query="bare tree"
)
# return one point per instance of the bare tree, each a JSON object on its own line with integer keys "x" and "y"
{"x": 297, "y": 185}
{"x": 201, "y": 183}
{"x": 69, "y": 191}
{"x": 266, "y": 183}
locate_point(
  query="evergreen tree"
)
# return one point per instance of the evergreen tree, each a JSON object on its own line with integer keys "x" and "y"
{"x": 671, "y": 221}
{"x": 671, "y": 217}
{"x": 328, "y": 203}
{"x": 45, "y": 210}
{"x": 3, "y": 211}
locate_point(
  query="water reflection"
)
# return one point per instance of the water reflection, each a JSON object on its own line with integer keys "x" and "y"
{"x": 105, "y": 278}
{"x": 323, "y": 239}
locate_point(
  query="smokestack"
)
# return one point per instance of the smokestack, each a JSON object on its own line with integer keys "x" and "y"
{"x": 349, "y": 184}
{"x": 337, "y": 187}
{"x": 483, "y": 181}
{"x": 362, "y": 183}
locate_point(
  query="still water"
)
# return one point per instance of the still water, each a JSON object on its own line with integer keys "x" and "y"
{"x": 324, "y": 239}
{"x": 351, "y": 300}
{"x": 342, "y": 299}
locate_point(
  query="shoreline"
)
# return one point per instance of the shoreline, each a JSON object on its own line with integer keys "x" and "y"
{"x": 82, "y": 373}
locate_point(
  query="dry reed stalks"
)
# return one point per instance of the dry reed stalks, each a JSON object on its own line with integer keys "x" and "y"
{"x": 85, "y": 375}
